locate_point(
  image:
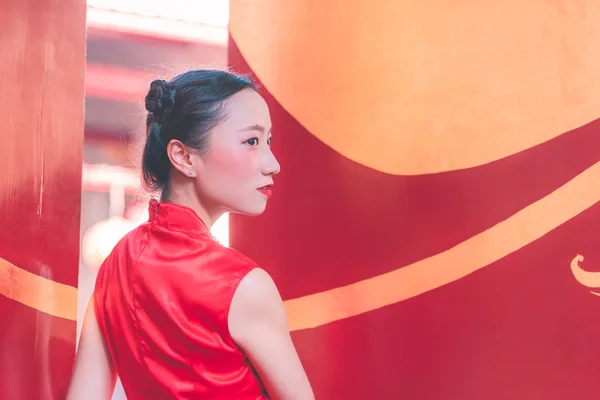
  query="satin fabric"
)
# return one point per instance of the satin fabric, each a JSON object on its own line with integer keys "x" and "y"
{"x": 162, "y": 299}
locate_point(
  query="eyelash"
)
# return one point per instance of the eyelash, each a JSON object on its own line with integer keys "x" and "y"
{"x": 255, "y": 138}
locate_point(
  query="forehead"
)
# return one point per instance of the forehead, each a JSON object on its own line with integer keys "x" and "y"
{"x": 247, "y": 108}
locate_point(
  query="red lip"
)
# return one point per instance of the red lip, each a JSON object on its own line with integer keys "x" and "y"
{"x": 266, "y": 190}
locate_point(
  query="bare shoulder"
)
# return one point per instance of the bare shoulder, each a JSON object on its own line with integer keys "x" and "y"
{"x": 258, "y": 324}
{"x": 257, "y": 286}
{"x": 256, "y": 302}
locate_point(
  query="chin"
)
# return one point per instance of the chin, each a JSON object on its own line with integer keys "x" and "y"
{"x": 254, "y": 211}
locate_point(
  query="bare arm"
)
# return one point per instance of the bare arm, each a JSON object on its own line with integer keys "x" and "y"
{"x": 258, "y": 324}
{"x": 94, "y": 377}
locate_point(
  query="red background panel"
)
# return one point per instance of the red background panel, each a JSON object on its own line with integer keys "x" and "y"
{"x": 42, "y": 78}
{"x": 521, "y": 328}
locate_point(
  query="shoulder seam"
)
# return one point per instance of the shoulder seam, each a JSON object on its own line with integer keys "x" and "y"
{"x": 133, "y": 306}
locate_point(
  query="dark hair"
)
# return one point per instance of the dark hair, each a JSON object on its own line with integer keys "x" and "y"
{"x": 185, "y": 108}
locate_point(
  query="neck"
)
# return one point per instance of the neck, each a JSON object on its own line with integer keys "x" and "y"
{"x": 187, "y": 197}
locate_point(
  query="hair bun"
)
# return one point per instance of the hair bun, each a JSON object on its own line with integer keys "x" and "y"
{"x": 160, "y": 99}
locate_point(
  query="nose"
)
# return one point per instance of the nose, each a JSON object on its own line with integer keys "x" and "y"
{"x": 270, "y": 165}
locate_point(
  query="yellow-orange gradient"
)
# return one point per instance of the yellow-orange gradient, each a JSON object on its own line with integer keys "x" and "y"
{"x": 38, "y": 292}
{"x": 477, "y": 252}
{"x": 420, "y": 86}
{"x": 588, "y": 279}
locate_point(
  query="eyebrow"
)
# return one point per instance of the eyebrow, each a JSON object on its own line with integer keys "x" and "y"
{"x": 256, "y": 127}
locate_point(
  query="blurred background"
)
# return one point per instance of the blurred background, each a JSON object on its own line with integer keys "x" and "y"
{"x": 129, "y": 43}
{"x": 435, "y": 229}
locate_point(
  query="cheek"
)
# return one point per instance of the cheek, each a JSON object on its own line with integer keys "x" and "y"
{"x": 235, "y": 163}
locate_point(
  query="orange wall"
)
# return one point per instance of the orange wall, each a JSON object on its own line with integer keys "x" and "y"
{"x": 439, "y": 190}
{"x": 41, "y": 107}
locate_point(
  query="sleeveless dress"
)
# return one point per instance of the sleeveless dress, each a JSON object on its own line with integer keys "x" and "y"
{"x": 162, "y": 300}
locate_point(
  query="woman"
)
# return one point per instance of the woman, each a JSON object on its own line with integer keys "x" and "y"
{"x": 174, "y": 314}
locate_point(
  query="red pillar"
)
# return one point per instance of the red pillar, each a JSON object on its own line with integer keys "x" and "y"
{"x": 42, "y": 46}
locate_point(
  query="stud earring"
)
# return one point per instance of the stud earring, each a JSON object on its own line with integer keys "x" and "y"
{"x": 191, "y": 171}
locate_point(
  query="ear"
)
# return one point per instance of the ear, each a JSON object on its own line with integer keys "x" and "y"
{"x": 181, "y": 158}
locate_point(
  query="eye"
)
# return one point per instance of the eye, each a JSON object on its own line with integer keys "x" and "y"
{"x": 252, "y": 141}
{"x": 269, "y": 140}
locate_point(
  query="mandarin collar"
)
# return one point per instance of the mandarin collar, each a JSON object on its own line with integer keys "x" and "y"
{"x": 176, "y": 217}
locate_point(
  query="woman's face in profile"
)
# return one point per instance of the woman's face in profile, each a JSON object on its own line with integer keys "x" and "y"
{"x": 236, "y": 172}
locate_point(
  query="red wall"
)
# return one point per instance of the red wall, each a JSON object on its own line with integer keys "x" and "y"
{"x": 41, "y": 107}
{"x": 439, "y": 179}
